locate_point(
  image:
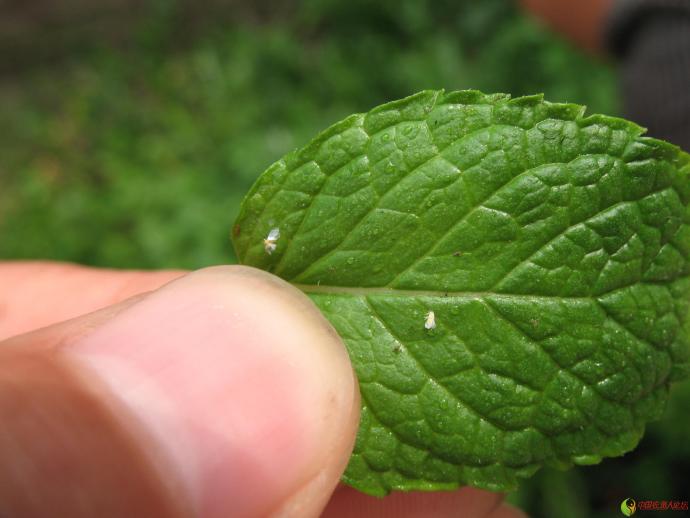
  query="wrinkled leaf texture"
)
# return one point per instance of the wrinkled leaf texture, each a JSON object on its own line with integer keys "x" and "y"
{"x": 552, "y": 248}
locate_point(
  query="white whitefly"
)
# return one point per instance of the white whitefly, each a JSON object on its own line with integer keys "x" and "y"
{"x": 270, "y": 242}
{"x": 430, "y": 322}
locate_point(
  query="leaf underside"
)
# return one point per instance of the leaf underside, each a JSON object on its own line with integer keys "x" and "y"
{"x": 552, "y": 248}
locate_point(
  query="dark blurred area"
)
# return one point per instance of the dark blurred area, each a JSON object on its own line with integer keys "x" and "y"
{"x": 132, "y": 129}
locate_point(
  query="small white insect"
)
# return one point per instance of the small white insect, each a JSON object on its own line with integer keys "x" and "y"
{"x": 430, "y": 322}
{"x": 271, "y": 239}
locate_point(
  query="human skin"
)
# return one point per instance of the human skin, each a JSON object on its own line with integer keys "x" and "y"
{"x": 579, "y": 20}
{"x": 223, "y": 392}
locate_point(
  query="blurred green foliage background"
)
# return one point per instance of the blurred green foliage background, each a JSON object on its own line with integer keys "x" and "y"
{"x": 131, "y": 131}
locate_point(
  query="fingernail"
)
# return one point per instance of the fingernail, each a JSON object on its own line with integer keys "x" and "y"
{"x": 243, "y": 389}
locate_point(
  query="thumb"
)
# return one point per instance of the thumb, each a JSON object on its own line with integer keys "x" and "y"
{"x": 224, "y": 393}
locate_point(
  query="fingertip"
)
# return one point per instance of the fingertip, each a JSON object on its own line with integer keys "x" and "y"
{"x": 245, "y": 388}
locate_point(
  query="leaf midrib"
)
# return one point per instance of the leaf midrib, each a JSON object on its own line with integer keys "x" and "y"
{"x": 395, "y": 292}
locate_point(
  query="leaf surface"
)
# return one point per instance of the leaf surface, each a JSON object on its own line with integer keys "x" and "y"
{"x": 551, "y": 247}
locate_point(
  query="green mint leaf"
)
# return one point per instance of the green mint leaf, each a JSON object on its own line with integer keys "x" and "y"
{"x": 511, "y": 278}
